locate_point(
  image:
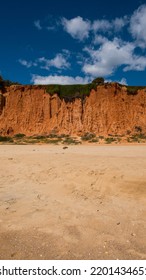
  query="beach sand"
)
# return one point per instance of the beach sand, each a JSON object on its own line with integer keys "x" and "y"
{"x": 82, "y": 202}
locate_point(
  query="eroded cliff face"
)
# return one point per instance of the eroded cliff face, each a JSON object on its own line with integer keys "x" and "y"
{"x": 108, "y": 110}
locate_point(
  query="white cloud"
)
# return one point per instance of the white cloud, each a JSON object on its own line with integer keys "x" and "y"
{"x": 77, "y": 27}
{"x": 59, "y": 62}
{"x": 101, "y": 25}
{"x": 105, "y": 25}
{"x": 112, "y": 54}
{"x": 50, "y": 28}
{"x": 26, "y": 63}
{"x": 38, "y": 24}
{"x": 55, "y": 79}
{"x": 123, "y": 81}
{"x": 99, "y": 39}
{"x": 138, "y": 25}
{"x": 107, "y": 53}
{"x": 137, "y": 63}
{"x": 66, "y": 52}
{"x": 119, "y": 23}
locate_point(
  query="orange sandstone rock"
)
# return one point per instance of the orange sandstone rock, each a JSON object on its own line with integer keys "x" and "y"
{"x": 107, "y": 110}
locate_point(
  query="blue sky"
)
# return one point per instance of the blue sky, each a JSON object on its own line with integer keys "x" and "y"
{"x": 69, "y": 42}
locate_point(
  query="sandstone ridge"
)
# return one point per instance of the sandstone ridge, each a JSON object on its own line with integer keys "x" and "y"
{"x": 109, "y": 109}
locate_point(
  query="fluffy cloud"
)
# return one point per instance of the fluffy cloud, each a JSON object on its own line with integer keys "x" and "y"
{"x": 80, "y": 28}
{"x": 123, "y": 81}
{"x": 77, "y": 27}
{"x": 119, "y": 23}
{"x": 59, "y": 62}
{"x": 26, "y": 63}
{"x": 55, "y": 79}
{"x": 138, "y": 25}
{"x": 137, "y": 63}
{"x": 37, "y": 24}
{"x": 101, "y": 25}
{"x": 50, "y": 23}
{"x": 107, "y": 52}
{"x": 99, "y": 39}
{"x": 104, "y": 25}
{"x": 110, "y": 55}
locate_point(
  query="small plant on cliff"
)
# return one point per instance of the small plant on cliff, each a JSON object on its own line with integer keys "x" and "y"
{"x": 94, "y": 140}
{"x": 142, "y": 136}
{"x": 70, "y": 92}
{"x": 88, "y": 136}
{"x": 39, "y": 137}
{"x": 137, "y": 138}
{"x": 70, "y": 141}
{"x": 128, "y": 132}
{"x": 109, "y": 140}
{"x": 101, "y": 137}
{"x": 6, "y": 83}
{"x": 51, "y": 141}
{"x": 19, "y": 135}
{"x": 98, "y": 81}
{"x": 138, "y": 129}
{"x": 133, "y": 90}
{"x": 6, "y": 139}
{"x": 134, "y": 138}
{"x": 52, "y": 135}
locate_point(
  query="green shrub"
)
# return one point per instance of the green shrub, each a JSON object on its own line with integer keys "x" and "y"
{"x": 119, "y": 139}
{"x": 52, "y": 141}
{"x": 88, "y": 136}
{"x": 128, "y": 140}
{"x": 70, "y": 141}
{"x": 31, "y": 141}
{"x": 128, "y": 132}
{"x": 133, "y": 90}
{"x": 6, "y": 83}
{"x": 138, "y": 129}
{"x": 6, "y": 139}
{"x": 19, "y": 135}
{"x": 98, "y": 81}
{"x": 94, "y": 140}
{"x": 43, "y": 137}
{"x": 101, "y": 137}
{"x": 137, "y": 137}
{"x": 39, "y": 137}
{"x": 52, "y": 135}
{"x": 134, "y": 138}
{"x": 69, "y": 92}
{"x": 63, "y": 135}
{"x": 142, "y": 136}
{"x": 109, "y": 140}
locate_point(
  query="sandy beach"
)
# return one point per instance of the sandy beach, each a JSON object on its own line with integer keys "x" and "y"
{"x": 82, "y": 202}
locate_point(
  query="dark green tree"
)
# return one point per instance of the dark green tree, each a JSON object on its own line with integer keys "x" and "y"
{"x": 2, "y": 83}
{"x": 98, "y": 81}
{"x": 6, "y": 83}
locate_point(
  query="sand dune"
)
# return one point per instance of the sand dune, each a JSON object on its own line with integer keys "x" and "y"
{"x": 84, "y": 202}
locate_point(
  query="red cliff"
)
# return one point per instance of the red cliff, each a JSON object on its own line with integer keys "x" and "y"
{"x": 107, "y": 110}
